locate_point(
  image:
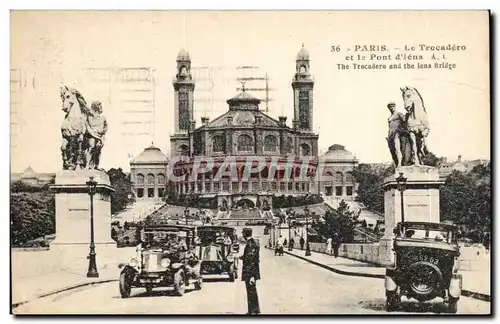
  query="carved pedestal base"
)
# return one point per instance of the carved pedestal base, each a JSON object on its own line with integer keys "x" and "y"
{"x": 71, "y": 245}
{"x": 420, "y": 202}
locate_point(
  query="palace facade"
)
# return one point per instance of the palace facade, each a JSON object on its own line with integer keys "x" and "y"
{"x": 243, "y": 131}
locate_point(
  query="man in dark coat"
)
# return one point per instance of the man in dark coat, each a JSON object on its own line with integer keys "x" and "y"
{"x": 302, "y": 242}
{"x": 250, "y": 272}
{"x": 336, "y": 242}
{"x": 292, "y": 242}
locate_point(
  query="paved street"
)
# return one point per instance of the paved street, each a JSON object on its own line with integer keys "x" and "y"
{"x": 288, "y": 286}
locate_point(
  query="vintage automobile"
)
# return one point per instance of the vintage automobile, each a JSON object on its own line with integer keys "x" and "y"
{"x": 219, "y": 248}
{"x": 425, "y": 265}
{"x": 165, "y": 258}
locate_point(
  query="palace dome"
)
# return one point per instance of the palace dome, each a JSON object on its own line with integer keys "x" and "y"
{"x": 338, "y": 153}
{"x": 243, "y": 98}
{"x": 152, "y": 155}
{"x": 29, "y": 173}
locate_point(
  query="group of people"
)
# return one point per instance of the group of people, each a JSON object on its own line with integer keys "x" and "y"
{"x": 333, "y": 245}
{"x": 285, "y": 243}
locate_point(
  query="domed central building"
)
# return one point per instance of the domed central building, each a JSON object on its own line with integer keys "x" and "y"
{"x": 244, "y": 131}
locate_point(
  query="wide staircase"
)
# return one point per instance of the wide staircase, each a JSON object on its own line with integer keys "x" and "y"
{"x": 363, "y": 235}
{"x": 245, "y": 214}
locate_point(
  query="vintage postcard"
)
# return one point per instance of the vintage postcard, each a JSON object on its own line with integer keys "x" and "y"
{"x": 250, "y": 162}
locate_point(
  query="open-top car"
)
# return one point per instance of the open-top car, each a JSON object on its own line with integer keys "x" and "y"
{"x": 165, "y": 258}
{"x": 219, "y": 248}
{"x": 425, "y": 266}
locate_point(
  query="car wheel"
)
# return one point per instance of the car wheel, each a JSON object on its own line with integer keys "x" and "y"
{"x": 393, "y": 299}
{"x": 198, "y": 284}
{"x": 125, "y": 288}
{"x": 149, "y": 289}
{"x": 179, "y": 284}
{"x": 451, "y": 305}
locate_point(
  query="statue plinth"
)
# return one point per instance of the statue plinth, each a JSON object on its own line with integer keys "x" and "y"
{"x": 420, "y": 199}
{"x": 73, "y": 208}
{"x": 71, "y": 245}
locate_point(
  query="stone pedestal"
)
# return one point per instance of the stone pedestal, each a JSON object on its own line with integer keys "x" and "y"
{"x": 73, "y": 216}
{"x": 420, "y": 199}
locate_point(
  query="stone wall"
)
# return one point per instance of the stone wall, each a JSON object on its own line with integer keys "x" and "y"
{"x": 361, "y": 252}
{"x": 471, "y": 258}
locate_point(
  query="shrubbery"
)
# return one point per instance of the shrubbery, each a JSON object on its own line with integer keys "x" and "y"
{"x": 32, "y": 208}
{"x": 191, "y": 200}
{"x": 291, "y": 201}
{"x": 465, "y": 198}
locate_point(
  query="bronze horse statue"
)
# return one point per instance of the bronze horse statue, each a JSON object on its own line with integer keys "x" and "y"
{"x": 82, "y": 131}
{"x": 408, "y": 132}
{"x": 417, "y": 123}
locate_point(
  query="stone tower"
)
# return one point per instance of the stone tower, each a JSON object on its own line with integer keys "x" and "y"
{"x": 184, "y": 90}
{"x": 183, "y": 106}
{"x": 303, "y": 85}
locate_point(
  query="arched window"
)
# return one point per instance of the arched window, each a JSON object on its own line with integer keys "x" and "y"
{"x": 339, "y": 177}
{"x": 270, "y": 143}
{"x": 150, "y": 179}
{"x": 183, "y": 149}
{"x": 305, "y": 149}
{"x": 302, "y": 69}
{"x": 160, "y": 179}
{"x": 245, "y": 143}
{"x": 140, "y": 179}
{"x": 184, "y": 71}
{"x": 218, "y": 143}
{"x": 328, "y": 175}
{"x": 349, "y": 177}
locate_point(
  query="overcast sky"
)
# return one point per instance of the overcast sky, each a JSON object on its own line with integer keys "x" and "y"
{"x": 349, "y": 106}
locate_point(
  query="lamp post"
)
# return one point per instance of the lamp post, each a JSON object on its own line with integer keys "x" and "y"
{"x": 290, "y": 215}
{"x": 308, "y": 249}
{"x": 186, "y": 214}
{"x": 401, "y": 182}
{"x": 92, "y": 271}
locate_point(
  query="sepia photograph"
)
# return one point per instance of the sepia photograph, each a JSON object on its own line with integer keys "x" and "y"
{"x": 169, "y": 162}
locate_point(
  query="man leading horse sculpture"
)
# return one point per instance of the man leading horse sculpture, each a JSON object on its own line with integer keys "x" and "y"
{"x": 82, "y": 130}
{"x": 408, "y": 132}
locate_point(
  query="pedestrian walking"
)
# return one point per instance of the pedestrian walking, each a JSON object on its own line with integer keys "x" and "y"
{"x": 336, "y": 244}
{"x": 250, "y": 272}
{"x": 285, "y": 242}
{"x": 302, "y": 242}
{"x": 292, "y": 243}
{"x": 329, "y": 245}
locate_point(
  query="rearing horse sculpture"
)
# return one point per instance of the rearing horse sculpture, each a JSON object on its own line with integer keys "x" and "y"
{"x": 73, "y": 128}
{"x": 417, "y": 123}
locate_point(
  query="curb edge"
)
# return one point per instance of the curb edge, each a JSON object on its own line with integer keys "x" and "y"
{"x": 465, "y": 292}
{"x": 61, "y": 290}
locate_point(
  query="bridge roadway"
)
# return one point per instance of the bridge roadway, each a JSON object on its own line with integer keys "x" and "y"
{"x": 288, "y": 286}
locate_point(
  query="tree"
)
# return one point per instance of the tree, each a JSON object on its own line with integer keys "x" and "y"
{"x": 370, "y": 192}
{"x": 123, "y": 194}
{"x": 341, "y": 221}
{"x": 465, "y": 200}
{"x": 431, "y": 159}
{"x": 32, "y": 215}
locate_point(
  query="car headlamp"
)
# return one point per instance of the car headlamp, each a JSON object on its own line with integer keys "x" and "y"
{"x": 230, "y": 258}
{"x": 133, "y": 262}
{"x": 165, "y": 262}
